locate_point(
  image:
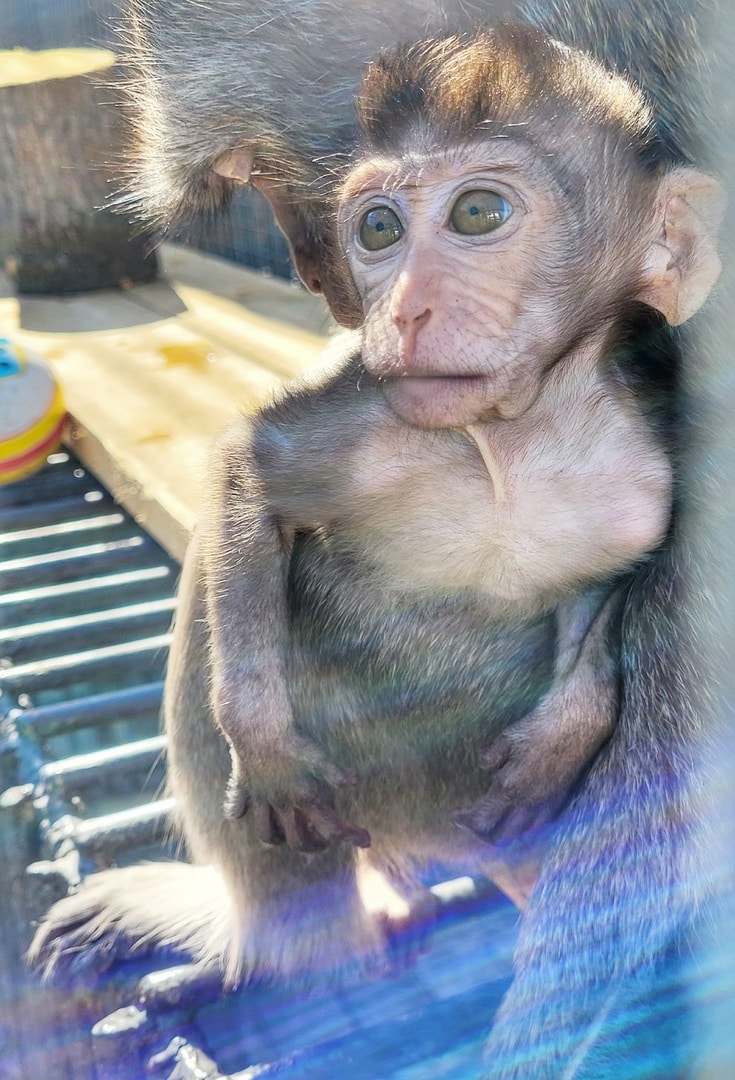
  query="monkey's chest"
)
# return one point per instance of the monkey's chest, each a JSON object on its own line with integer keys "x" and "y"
{"x": 521, "y": 513}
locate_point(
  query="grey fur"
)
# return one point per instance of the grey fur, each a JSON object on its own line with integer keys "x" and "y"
{"x": 206, "y": 77}
{"x": 211, "y": 76}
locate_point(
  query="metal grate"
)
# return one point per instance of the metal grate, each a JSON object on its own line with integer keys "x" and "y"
{"x": 86, "y": 599}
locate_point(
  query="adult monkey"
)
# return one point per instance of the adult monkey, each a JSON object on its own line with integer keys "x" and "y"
{"x": 565, "y": 902}
{"x": 251, "y": 74}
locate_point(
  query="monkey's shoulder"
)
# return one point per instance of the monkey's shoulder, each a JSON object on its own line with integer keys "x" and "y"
{"x": 521, "y": 509}
{"x": 334, "y": 436}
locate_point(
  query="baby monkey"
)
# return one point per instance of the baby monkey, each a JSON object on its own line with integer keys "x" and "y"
{"x": 488, "y": 440}
{"x": 400, "y": 612}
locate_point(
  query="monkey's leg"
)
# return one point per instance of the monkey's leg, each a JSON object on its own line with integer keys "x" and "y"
{"x": 536, "y": 762}
{"x": 256, "y": 908}
{"x": 240, "y": 554}
{"x": 625, "y": 875}
{"x": 263, "y": 911}
{"x": 296, "y": 912}
{"x": 403, "y": 908}
{"x": 287, "y": 907}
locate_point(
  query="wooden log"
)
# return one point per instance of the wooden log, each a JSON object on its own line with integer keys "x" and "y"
{"x": 61, "y": 148}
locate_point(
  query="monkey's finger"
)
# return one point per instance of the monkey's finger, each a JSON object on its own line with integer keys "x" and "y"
{"x": 336, "y": 777}
{"x": 343, "y": 778}
{"x": 237, "y": 800}
{"x": 267, "y": 825}
{"x": 306, "y": 752}
{"x": 496, "y": 755}
{"x": 334, "y": 828}
{"x": 501, "y": 823}
{"x": 483, "y": 819}
{"x": 299, "y": 833}
{"x": 503, "y": 829}
{"x": 464, "y": 819}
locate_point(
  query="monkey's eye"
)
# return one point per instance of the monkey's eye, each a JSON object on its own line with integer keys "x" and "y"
{"x": 379, "y": 228}
{"x": 478, "y": 212}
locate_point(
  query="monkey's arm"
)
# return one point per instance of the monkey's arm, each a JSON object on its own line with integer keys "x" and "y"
{"x": 537, "y": 762}
{"x": 279, "y": 777}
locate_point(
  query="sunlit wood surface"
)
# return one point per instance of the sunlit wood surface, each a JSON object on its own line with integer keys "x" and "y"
{"x": 151, "y": 374}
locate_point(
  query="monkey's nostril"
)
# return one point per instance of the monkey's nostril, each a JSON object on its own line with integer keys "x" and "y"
{"x": 413, "y": 322}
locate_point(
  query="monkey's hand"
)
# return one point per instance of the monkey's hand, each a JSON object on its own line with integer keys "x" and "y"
{"x": 537, "y": 762}
{"x": 288, "y": 791}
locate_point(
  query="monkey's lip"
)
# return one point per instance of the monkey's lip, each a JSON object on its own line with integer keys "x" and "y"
{"x": 437, "y": 384}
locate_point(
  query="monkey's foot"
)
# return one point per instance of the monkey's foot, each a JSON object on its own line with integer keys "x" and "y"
{"x": 534, "y": 765}
{"x": 519, "y": 802}
{"x": 309, "y": 826}
{"x": 404, "y": 920}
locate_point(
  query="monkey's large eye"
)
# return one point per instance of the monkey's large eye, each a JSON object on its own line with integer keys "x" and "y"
{"x": 478, "y": 212}
{"x": 379, "y": 228}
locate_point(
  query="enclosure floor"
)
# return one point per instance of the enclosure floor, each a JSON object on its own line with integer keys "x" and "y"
{"x": 151, "y": 373}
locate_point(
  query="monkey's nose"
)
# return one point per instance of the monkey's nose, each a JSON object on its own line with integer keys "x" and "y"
{"x": 411, "y": 322}
{"x": 408, "y": 329}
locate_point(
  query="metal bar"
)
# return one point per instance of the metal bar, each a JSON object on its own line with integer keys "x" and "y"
{"x": 15, "y": 605}
{"x": 109, "y": 834}
{"x": 60, "y": 529}
{"x": 34, "y": 514}
{"x": 51, "y": 483}
{"x": 66, "y": 716}
{"x": 43, "y": 674}
{"x": 102, "y": 766}
{"x": 25, "y": 643}
{"x": 72, "y": 563}
{"x": 178, "y": 987}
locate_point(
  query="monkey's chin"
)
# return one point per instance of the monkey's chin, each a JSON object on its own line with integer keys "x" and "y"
{"x": 439, "y": 401}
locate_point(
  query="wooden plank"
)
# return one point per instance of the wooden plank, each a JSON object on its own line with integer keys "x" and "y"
{"x": 19, "y": 67}
{"x": 150, "y": 375}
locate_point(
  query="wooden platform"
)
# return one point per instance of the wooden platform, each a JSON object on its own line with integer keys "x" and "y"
{"x": 151, "y": 374}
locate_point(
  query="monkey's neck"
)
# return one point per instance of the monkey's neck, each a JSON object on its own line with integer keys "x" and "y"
{"x": 478, "y": 437}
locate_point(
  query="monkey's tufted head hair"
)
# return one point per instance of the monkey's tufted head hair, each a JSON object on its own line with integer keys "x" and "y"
{"x": 280, "y": 77}
{"x": 511, "y": 81}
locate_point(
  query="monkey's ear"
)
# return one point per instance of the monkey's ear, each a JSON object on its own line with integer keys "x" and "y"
{"x": 236, "y": 164}
{"x": 682, "y": 263}
{"x": 318, "y": 265}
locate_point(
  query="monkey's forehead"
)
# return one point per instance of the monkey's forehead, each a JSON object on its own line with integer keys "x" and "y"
{"x": 415, "y": 166}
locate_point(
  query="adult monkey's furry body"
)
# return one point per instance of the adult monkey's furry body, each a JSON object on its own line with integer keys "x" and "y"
{"x": 280, "y": 76}
{"x": 644, "y": 782}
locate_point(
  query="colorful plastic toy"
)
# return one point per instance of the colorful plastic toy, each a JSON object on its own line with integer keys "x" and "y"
{"x": 32, "y": 412}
